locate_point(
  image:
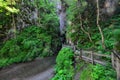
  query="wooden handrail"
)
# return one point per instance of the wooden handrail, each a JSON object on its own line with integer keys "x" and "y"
{"x": 115, "y": 53}
{"x": 90, "y": 60}
{"x": 94, "y": 53}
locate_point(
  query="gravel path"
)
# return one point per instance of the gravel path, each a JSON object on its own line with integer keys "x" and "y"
{"x": 39, "y": 69}
{"x": 77, "y": 75}
{"x": 46, "y": 75}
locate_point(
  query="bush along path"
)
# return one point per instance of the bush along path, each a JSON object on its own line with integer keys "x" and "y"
{"x": 67, "y": 68}
{"x": 64, "y": 69}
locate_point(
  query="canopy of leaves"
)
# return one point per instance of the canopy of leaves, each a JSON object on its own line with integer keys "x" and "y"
{"x": 7, "y": 6}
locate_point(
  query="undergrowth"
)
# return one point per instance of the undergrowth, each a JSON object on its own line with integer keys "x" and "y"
{"x": 64, "y": 65}
{"x": 103, "y": 72}
{"x": 86, "y": 73}
{"x": 98, "y": 72}
{"x": 32, "y": 42}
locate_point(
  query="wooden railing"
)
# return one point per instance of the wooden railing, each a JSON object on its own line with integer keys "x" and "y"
{"x": 94, "y": 58}
{"x": 116, "y": 63}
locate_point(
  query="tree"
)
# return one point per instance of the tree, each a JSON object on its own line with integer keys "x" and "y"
{"x": 6, "y": 5}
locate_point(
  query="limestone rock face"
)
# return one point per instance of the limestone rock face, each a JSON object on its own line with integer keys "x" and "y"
{"x": 61, "y": 9}
{"x": 28, "y": 14}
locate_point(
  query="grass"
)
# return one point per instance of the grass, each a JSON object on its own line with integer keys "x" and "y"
{"x": 86, "y": 73}
{"x": 79, "y": 65}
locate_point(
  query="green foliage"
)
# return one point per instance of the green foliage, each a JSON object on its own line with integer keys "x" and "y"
{"x": 85, "y": 74}
{"x": 30, "y": 43}
{"x": 7, "y": 61}
{"x": 5, "y": 4}
{"x": 79, "y": 37}
{"x": 103, "y": 73}
{"x": 64, "y": 69}
{"x": 117, "y": 34}
{"x": 64, "y": 58}
{"x": 98, "y": 72}
{"x": 9, "y": 50}
{"x": 79, "y": 64}
{"x": 7, "y": 9}
{"x": 48, "y": 18}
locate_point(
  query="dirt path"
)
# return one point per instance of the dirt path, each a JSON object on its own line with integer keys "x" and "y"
{"x": 39, "y": 69}
{"x": 46, "y": 75}
{"x": 77, "y": 75}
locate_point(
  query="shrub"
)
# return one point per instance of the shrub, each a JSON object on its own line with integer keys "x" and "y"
{"x": 103, "y": 73}
{"x": 64, "y": 68}
{"x": 98, "y": 72}
{"x": 30, "y": 43}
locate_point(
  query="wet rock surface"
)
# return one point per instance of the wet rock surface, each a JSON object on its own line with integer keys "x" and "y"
{"x": 39, "y": 69}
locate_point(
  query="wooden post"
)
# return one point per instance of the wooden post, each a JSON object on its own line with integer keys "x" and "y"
{"x": 113, "y": 60}
{"x": 92, "y": 57}
{"x": 118, "y": 69}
